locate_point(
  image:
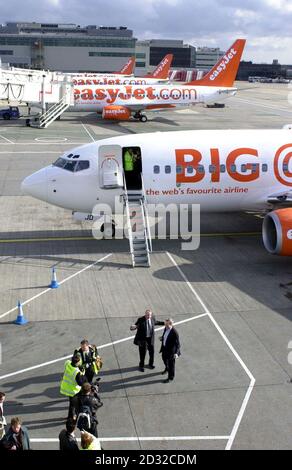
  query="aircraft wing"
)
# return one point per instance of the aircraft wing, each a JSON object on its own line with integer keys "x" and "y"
{"x": 283, "y": 198}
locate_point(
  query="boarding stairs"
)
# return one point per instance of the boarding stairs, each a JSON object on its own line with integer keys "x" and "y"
{"x": 54, "y": 112}
{"x": 138, "y": 226}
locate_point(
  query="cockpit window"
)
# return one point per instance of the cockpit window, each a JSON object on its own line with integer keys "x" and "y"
{"x": 71, "y": 165}
{"x": 60, "y": 163}
{"x": 82, "y": 165}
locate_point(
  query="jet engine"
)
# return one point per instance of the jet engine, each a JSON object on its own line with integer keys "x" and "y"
{"x": 277, "y": 232}
{"x": 116, "y": 113}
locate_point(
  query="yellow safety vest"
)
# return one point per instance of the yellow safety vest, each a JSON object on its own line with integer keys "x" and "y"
{"x": 95, "y": 445}
{"x": 69, "y": 386}
{"x": 128, "y": 161}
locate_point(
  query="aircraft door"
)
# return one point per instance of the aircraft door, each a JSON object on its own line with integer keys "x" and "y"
{"x": 110, "y": 167}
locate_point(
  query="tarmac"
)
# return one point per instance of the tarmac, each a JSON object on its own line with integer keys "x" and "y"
{"x": 230, "y": 299}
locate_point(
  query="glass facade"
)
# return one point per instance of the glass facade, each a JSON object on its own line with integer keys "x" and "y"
{"x": 182, "y": 56}
{"x": 66, "y": 42}
{"x": 109, "y": 54}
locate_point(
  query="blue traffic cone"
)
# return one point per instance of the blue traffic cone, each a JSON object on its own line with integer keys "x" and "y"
{"x": 20, "y": 320}
{"x": 54, "y": 283}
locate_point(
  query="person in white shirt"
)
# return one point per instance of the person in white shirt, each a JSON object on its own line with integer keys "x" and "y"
{"x": 170, "y": 349}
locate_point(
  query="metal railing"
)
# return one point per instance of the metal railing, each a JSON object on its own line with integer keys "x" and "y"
{"x": 54, "y": 110}
{"x": 130, "y": 235}
{"x": 146, "y": 217}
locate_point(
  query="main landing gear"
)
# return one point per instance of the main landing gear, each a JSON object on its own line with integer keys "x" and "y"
{"x": 140, "y": 116}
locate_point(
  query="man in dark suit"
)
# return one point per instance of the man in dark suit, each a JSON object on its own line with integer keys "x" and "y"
{"x": 145, "y": 337}
{"x": 170, "y": 349}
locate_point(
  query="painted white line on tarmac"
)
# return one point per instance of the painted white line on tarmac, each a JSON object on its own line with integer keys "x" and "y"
{"x": 51, "y": 140}
{"x": 232, "y": 349}
{"x": 262, "y": 105}
{"x": 60, "y": 282}
{"x": 102, "y": 346}
{"x": 87, "y": 131}
{"x": 7, "y": 140}
{"x": 142, "y": 438}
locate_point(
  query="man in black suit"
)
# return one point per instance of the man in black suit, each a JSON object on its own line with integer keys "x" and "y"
{"x": 170, "y": 349}
{"x": 145, "y": 337}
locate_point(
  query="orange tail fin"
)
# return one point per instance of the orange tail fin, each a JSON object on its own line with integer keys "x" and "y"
{"x": 128, "y": 68}
{"x": 162, "y": 68}
{"x": 224, "y": 72}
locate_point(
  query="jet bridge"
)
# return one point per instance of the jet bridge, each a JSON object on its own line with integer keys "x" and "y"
{"x": 50, "y": 91}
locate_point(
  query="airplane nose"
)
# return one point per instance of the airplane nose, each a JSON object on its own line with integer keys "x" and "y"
{"x": 36, "y": 185}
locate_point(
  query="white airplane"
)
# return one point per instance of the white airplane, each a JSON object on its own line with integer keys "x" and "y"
{"x": 120, "y": 102}
{"x": 234, "y": 170}
{"x": 126, "y": 71}
{"x": 159, "y": 75}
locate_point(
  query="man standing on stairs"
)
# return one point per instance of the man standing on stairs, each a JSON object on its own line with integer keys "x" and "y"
{"x": 145, "y": 337}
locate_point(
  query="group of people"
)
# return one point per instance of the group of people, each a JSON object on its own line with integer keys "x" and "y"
{"x": 81, "y": 385}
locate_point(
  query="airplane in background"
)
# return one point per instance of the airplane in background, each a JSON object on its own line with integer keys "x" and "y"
{"x": 120, "y": 102}
{"x": 126, "y": 71}
{"x": 234, "y": 170}
{"x": 159, "y": 75}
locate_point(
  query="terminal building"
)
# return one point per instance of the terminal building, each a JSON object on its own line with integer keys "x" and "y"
{"x": 273, "y": 70}
{"x": 74, "y": 48}
{"x": 66, "y": 47}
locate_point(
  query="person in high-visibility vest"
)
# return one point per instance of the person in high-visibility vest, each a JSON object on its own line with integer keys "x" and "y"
{"x": 91, "y": 361}
{"x": 128, "y": 161}
{"x": 73, "y": 379}
{"x": 89, "y": 442}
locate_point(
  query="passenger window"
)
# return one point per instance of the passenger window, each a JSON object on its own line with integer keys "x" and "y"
{"x": 167, "y": 169}
{"x": 82, "y": 165}
{"x": 285, "y": 166}
{"x": 212, "y": 168}
{"x": 264, "y": 167}
{"x": 179, "y": 169}
{"x": 222, "y": 168}
{"x": 190, "y": 169}
{"x": 254, "y": 167}
{"x": 156, "y": 169}
{"x": 243, "y": 168}
{"x": 233, "y": 168}
{"x": 201, "y": 169}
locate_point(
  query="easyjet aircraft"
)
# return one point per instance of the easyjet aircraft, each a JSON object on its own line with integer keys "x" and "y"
{"x": 234, "y": 170}
{"x": 126, "y": 71}
{"x": 120, "y": 102}
{"x": 159, "y": 75}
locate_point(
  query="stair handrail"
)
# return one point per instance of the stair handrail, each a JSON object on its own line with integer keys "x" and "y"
{"x": 52, "y": 109}
{"x": 130, "y": 234}
{"x": 146, "y": 217}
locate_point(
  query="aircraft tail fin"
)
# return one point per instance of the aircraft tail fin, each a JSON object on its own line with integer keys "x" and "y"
{"x": 224, "y": 72}
{"x": 128, "y": 68}
{"x": 162, "y": 69}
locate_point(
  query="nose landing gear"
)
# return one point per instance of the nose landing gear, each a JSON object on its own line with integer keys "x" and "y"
{"x": 108, "y": 229}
